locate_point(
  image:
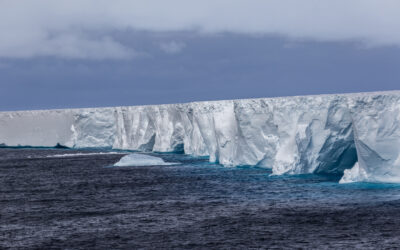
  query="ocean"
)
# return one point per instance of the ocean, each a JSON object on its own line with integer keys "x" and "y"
{"x": 76, "y": 199}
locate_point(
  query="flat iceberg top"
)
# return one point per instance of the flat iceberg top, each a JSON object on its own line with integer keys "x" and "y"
{"x": 358, "y": 94}
{"x": 132, "y": 160}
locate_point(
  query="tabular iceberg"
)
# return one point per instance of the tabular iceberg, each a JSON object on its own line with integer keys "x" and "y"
{"x": 292, "y": 135}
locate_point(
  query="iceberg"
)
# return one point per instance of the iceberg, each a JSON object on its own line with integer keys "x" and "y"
{"x": 324, "y": 134}
{"x": 132, "y": 160}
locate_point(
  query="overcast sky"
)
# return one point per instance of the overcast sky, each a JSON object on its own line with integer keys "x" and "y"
{"x": 59, "y": 54}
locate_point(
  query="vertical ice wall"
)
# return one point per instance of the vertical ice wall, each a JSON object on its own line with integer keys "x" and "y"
{"x": 304, "y": 134}
{"x": 376, "y": 125}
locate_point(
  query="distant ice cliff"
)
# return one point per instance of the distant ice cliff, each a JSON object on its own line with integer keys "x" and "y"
{"x": 359, "y": 133}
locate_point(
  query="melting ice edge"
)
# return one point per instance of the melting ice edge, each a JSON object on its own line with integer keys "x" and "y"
{"x": 355, "y": 134}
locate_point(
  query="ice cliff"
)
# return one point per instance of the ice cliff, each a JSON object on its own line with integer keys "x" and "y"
{"x": 358, "y": 134}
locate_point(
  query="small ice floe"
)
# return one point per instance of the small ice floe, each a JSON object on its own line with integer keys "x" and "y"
{"x": 141, "y": 160}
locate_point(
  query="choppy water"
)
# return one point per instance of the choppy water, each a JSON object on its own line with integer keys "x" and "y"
{"x": 77, "y": 202}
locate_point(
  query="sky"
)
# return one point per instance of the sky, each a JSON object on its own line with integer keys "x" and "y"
{"x": 93, "y": 53}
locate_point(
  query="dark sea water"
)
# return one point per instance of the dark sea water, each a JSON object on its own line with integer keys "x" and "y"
{"x": 81, "y": 202}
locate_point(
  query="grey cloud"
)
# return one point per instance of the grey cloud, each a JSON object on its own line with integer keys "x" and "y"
{"x": 172, "y": 47}
{"x": 69, "y": 46}
{"x": 62, "y": 28}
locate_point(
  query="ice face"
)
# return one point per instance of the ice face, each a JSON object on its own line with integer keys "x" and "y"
{"x": 291, "y": 135}
{"x": 140, "y": 160}
{"x": 36, "y": 128}
{"x": 376, "y": 125}
{"x": 355, "y": 174}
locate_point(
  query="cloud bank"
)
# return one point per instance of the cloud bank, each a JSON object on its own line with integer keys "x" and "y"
{"x": 172, "y": 47}
{"x": 83, "y": 29}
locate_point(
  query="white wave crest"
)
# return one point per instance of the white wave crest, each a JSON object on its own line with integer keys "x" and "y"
{"x": 83, "y": 154}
